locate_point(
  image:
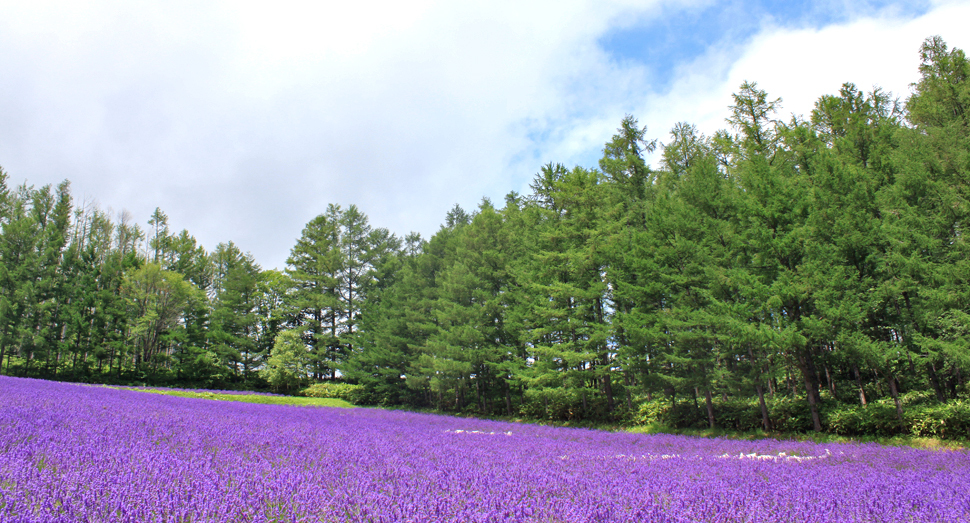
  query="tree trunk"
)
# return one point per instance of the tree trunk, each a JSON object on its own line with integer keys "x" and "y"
{"x": 935, "y": 382}
{"x": 627, "y": 385}
{"x": 765, "y": 419}
{"x": 508, "y": 400}
{"x": 629, "y": 401}
{"x": 807, "y": 366}
{"x": 894, "y": 392}
{"x": 608, "y": 389}
{"x": 710, "y": 407}
{"x": 478, "y": 394}
{"x": 828, "y": 378}
{"x": 858, "y": 381}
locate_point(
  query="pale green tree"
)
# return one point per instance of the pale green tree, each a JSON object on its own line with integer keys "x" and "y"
{"x": 289, "y": 363}
{"x": 156, "y": 300}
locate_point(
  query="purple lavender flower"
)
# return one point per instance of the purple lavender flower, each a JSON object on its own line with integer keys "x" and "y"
{"x": 74, "y": 453}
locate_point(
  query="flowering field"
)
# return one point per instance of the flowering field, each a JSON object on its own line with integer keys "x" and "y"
{"x": 71, "y": 453}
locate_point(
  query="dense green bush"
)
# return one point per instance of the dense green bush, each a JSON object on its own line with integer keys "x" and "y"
{"x": 344, "y": 391}
{"x": 942, "y": 420}
{"x": 786, "y": 414}
{"x": 789, "y": 414}
{"x": 875, "y": 419}
{"x": 367, "y": 395}
{"x": 683, "y": 414}
{"x": 922, "y": 416}
{"x": 562, "y": 404}
{"x": 738, "y": 414}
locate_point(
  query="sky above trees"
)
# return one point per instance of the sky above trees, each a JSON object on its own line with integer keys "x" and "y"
{"x": 243, "y": 122}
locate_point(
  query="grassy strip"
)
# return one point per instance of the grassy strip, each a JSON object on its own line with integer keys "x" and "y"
{"x": 253, "y": 398}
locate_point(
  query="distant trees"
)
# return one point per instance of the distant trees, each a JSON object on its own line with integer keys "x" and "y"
{"x": 85, "y": 298}
{"x": 332, "y": 267}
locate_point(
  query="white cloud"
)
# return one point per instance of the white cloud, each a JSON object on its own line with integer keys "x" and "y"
{"x": 802, "y": 65}
{"x": 243, "y": 122}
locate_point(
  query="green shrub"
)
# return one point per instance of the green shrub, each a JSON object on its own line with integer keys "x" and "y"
{"x": 288, "y": 364}
{"x": 791, "y": 414}
{"x": 916, "y": 397}
{"x": 738, "y": 414}
{"x": 875, "y": 419}
{"x": 923, "y": 416}
{"x": 344, "y": 391}
{"x": 941, "y": 420}
{"x": 661, "y": 411}
{"x": 651, "y": 412}
{"x": 742, "y": 415}
{"x": 562, "y": 404}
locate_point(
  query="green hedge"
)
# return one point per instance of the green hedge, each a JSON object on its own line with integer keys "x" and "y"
{"x": 566, "y": 404}
{"x": 343, "y": 391}
{"x": 942, "y": 420}
{"x": 742, "y": 415}
{"x": 922, "y": 416}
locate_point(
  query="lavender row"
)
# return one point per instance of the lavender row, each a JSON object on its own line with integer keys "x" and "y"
{"x": 70, "y": 453}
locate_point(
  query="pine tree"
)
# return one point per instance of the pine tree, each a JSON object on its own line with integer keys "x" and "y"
{"x": 233, "y": 324}
{"x": 571, "y": 332}
{"x": 315, "y": 266}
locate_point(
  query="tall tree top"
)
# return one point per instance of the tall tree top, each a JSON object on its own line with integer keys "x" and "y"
{"x": 623, "y": 161}
{"x": 457, "y": 217}
{"x": 942, "y": 95}
{"x": 752, "y": 117}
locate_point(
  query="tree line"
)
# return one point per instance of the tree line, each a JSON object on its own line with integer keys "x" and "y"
{"x": 820, "y": 260}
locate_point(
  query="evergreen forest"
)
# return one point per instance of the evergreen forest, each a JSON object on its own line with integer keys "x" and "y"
{"x": 804, "y": 273}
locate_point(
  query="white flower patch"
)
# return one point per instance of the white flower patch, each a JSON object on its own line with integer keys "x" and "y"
{"x": 649, "y": 456}
{"x": 460, "y": 431}
{"x": 782, "y": 456}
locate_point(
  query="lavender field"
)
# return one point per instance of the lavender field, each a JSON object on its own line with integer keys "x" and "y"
{"x": 72, "y": 453}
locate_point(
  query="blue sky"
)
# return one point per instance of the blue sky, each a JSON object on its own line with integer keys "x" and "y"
{"x": 243, "y": 121}
{"x": 681, "y": 34}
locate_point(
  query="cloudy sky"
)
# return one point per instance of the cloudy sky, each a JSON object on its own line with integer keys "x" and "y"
{"x": 243, "y": 120}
